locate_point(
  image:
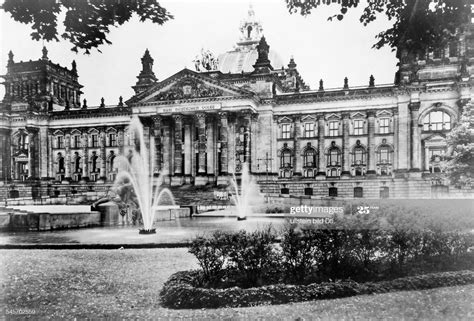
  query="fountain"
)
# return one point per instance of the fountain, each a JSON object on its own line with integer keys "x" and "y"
{"x": 249, "y": 193}
{"x": 135, "y": 179}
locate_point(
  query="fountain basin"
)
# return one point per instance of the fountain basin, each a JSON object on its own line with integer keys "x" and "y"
{"x": 150, "y": 231}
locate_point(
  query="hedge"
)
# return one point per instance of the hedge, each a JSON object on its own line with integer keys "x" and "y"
{"x": 181, "y": 291}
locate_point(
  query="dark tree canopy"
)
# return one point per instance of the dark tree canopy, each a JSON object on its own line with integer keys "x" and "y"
{"x": 460, "y": 160}
{"x": 87, "y": 22}
{"x": 419, "y": 25}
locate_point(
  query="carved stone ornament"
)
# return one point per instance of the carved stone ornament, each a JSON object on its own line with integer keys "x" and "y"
{"x": 189, "y": 88}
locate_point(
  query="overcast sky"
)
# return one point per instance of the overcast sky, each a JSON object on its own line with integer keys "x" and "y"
{"x": 321, "y": 49}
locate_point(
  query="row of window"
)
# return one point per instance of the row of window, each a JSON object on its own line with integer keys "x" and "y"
{"x": 333, "y": 156}
{"x": 76, "y": 141}
{"x": 309, "y": 129}
{"x": 384, "y": 191}
{"x": 433, "y": 121}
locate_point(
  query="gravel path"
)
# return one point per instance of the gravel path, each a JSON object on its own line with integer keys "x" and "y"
{"x": 126, "y": 284}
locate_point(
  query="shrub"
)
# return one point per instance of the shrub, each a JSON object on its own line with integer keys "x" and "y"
{"x": 299, "y": 252}
{"x": 208, "y": 252}
{"x": 180, "y": 292}
{"x": 252, "y": 254}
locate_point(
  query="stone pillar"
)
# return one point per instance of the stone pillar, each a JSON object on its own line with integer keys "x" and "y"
{"x": 43, "y": 152}
{"x": 178, "y": 144}
{"x": 157, "y": 124}
{"x": 121, "y": 141}
{"x": 67, "y": 157}
{"x": 211, "y": 148}
{"x": 85, "y": 157}
{"x": 51, "y": 157}
{"x": 201, "y": 119}
{"x": 321, "y": 152}
{"x": 371, "y": 143}
{"x": 346, "y": 160}
{"x": 395, "y": 162}
{"x": 415, "y": 137}
{"x": 103, "y": 156}
{"x": 298, "y": 169}
{"x": 224, "y": 143}
{"x": 166, "y": 170}
{"x": 31, "y": 155}
{"x": 188, "y": 152}
{"x": 231, "y": 144}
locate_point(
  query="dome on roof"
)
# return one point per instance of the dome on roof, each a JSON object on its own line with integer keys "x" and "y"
{"x": 245, "y": 54}
{"x": 237, "y": 61}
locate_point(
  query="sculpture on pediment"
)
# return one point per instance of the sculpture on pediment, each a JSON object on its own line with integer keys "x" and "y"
{"x": 189, "y": 88}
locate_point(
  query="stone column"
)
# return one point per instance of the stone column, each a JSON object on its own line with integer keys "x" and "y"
{"x": 178, "y": 144}
{"x": 188, "y": 152}
{"x": 231, "y": 144}
{"x": 31, "y": 155}
{"x": 103, "y": 156}
{"x": 346, "y": 157}
{"x": 395, "y": 163}
{"x": 67, "y": 157}
{"x": 51, "y": 157}
{"x": 157, "y": 124}
{"x": 165, "y": 140}
{"x": 201, "y": 119}
{"x": 321, "y": 152}
{"x": 298, "y": 169}
{"x": 224, "y": 143}
{"x": 371, "y": 143}
{"x": 248, "y": 139}
{"x": 85, "y": 157}
{"x": 415, "y": 137}
{"x": 43, "y": 152}
{"x": 211, "y": 148}
{"x": 121, "y": 141}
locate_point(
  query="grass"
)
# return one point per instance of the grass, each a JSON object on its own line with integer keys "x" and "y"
{"x": 125, "y": 284}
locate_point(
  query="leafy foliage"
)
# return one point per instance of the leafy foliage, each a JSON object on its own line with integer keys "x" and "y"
{"x": 179, "y": 292}
{"x": 87, "y": 23}
{"x": 460, "y": 162}
{"x": 418, "y": 25}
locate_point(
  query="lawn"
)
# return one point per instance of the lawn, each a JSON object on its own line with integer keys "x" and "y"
{"x": 126, "y": 283}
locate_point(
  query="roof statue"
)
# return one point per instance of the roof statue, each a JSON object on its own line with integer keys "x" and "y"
{"x": 206, "y": 61}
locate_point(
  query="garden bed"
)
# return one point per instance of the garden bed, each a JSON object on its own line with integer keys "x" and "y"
{"x": 181, "y": 292}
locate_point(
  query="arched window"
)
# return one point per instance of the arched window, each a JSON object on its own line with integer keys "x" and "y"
{"x": 94, "y": 162}
{"x": 60, "y": 163}
{"x": 437, "y": 120}
{"x": 285, "y": 158}
{"x": 359, "y": 155}
{"x": 111, "y": 161}
{"x": 77, "y": 163}
{"x": 334, "y": 156}
{"x": 309, "y": 157}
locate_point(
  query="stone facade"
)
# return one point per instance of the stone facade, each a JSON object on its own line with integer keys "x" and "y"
{"x": 375, "y": 141}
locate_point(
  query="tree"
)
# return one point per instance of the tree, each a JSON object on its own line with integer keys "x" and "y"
{"x": 86, "y": 22}
{"x": 460, "y": 160}
{"x": 420, "y": 25}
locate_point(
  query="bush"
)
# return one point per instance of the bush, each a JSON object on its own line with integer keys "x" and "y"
{"x": 208, "y": 252}
{"x": 180, "y": 292}
{"x": 252, "y": 255}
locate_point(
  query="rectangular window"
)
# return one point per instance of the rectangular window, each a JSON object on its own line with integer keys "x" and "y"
{"x": 358, "y": 127}
{"x": 60, "y": 142}
{"x": 333, "y": 191}
{"x": 76, "y": 141}
{"x": 309, "y": 130}
{"x": 333, "y": 128}
{"x": 285, "y": 131}
{"x": 113, "y": 139}
{"x": 94, "y": 141}
{"x": 384, "y": 125}
{"x": 384, "y": 156}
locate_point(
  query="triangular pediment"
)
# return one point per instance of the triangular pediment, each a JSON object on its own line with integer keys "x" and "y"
{"x": 188, "y": 85}
{"x": 435, "y": 138}
{"x": 308, "y": 118}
